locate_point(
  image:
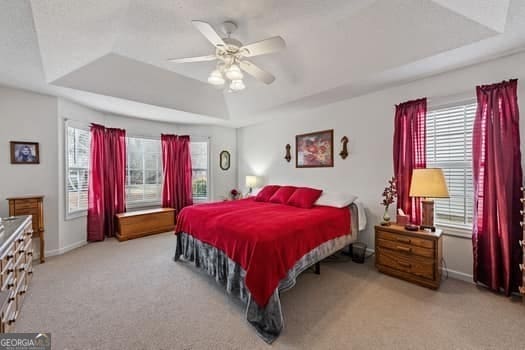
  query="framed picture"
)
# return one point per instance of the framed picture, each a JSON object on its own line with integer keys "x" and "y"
{"x": 224, "y": 160}
{"x": 24, "y": 152}
{"x": 315, "y": 150}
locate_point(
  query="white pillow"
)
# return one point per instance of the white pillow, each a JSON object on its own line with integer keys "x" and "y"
{"x": 336, "y": 199}
{"x": 255, "y": 191}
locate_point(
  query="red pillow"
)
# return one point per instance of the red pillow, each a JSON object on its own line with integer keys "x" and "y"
{"x": 266, "y": 193}
{"x": 304, "y": 197}
{"x": 282, "y": 194}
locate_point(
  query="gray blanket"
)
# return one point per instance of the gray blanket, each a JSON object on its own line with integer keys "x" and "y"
{"x": 268, "y": 321}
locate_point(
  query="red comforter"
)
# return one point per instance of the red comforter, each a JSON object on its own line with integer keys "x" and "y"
{"x": 266, "y": 239}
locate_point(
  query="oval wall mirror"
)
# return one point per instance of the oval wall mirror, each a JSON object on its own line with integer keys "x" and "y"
{"x": 224, "y": 161}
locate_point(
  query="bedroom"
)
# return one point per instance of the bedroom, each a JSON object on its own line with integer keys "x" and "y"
{"x": 68, "y": 64}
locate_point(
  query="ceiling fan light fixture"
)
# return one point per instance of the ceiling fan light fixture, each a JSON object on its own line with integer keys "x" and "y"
{"x": 237, "y": 85}
{"x": 234, "y": 72}
{"x": 216, "y": 78}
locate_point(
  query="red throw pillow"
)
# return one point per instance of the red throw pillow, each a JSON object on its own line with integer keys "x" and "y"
{"x": 283, "y": 194}
{"x": 266, "y": 193}
{"x": 304, "y": 197}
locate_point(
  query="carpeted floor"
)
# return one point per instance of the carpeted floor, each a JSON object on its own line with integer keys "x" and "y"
{"x": 132, "y": 295}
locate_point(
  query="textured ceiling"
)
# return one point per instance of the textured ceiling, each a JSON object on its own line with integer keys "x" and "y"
{"x": 111, "y": 55}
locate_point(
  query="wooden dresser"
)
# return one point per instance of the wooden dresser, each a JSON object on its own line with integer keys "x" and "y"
{"x": 414, "y": 256}
{"x": 31, "y": 205}
{"x": 16, "y": 266}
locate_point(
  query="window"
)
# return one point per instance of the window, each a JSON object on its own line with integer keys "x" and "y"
{"x": 199, "y": 163}
{"x": 449, "y": 146}
{"x": 77, "y": 169}
{"x": 143, "y": 171}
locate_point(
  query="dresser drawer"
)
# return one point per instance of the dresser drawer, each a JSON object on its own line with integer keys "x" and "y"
{"x": 405, "y": 248}
{"x": 7, "y": 257}
{"x": 9, "y": 317}
{"x": 413, "y": 241}
{"x": 26, "y": 204}
{"x": 416, "y": 266}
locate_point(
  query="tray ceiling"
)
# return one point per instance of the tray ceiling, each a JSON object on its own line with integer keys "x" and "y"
{"x": 111, "y": 55}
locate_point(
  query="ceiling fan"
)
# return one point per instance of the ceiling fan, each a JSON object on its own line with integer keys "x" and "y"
{"x": 231, "y": 54}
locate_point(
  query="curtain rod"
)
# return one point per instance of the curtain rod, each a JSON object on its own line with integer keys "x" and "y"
{"x": 131, "y": 134}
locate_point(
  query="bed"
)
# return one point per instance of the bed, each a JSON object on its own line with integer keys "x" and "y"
{"x": 256, "y": 250}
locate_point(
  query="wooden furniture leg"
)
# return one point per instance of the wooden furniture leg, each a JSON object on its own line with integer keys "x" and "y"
{"x": 42, "y": 246}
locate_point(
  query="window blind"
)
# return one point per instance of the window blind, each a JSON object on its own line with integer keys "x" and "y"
{"x": 199, "y": 164}
{"x": 77, "y": 169}
{"x": 143, "y": 171}
{"x": 449, "y": 146}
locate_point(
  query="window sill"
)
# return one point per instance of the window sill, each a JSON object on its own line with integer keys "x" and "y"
{"x": 75, "y": 215}
{"x": 454, "y": 231}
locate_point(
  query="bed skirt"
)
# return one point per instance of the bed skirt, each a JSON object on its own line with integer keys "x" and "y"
{"x": 268, "y": 321}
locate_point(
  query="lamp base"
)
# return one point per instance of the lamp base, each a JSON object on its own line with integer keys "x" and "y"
{"x": 428, "y": 215}
{"x": 431, "y": 228}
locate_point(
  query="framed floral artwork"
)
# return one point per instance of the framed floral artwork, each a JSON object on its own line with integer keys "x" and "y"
{"x": 315, "y": 150}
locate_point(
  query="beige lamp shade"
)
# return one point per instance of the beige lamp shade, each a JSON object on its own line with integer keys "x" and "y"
{"x": 428, "y": 183}
{"x": 251, "y": 181}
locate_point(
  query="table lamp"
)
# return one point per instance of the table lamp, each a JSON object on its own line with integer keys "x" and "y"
{"x": 251, "y": 182}
{"x": 428, "y": 183}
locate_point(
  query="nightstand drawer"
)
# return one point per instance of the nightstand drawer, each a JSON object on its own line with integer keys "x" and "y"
{"x": 413, "y": 241}
{"x": 417, "y": 266}
{"x": 406, "y": 248}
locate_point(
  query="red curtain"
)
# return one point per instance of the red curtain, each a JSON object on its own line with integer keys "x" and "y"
{"x": 177, "y": 174}
{"x": 106, "y": 187}
{"x": 497, "y": 175}
{"x": 409, "y": 152}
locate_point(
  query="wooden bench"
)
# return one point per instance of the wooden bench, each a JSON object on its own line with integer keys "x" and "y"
{"x": 142, "y": 223}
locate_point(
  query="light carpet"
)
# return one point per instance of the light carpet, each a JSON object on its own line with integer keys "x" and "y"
{"x": 131, "y": 295}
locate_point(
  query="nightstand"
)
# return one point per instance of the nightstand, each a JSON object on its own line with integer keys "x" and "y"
{"x": 414, "y": 256}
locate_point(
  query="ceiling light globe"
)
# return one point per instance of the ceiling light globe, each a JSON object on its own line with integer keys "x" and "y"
{"x": 216, "y": 78}
{"x": 234, "y": 72}
{"x": 237, "y": 85}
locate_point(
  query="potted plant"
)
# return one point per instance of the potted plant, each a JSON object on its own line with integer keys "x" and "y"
{"x": 235, "y": 194}
{"x": 389, "y": 196}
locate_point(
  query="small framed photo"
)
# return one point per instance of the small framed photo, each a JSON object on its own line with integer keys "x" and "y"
{"x": 315, "y": 150}
{"x": 24, "y": 152}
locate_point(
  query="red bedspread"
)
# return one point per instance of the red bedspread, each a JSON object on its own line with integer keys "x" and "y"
{"x": 266, "y": 239}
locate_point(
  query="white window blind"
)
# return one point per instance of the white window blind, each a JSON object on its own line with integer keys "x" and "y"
{"x": 449, "y": 146}
{"x": 143, "y": 171}
{"x": 199, "y": 164}
{"x": 77, "y": 169}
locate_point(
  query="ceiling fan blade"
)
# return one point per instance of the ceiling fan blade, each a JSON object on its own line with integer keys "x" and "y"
{"x": 256, "y": 72}
{"x": 193, "y": 59}
{"x": 263, "y": 47}
{"x": 207, "y": 30}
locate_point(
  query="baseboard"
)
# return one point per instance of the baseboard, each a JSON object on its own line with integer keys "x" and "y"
{"x": 457, "y": 275}
{"x": 62, "y": 250}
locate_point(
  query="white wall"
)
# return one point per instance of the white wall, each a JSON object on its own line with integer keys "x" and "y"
{"x": 368, "y": 123}
{"x": 73, "y": 231}
{"x": 26, "y": 116}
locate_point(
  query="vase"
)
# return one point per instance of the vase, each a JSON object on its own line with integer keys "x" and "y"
{"x": 386, "y": 218}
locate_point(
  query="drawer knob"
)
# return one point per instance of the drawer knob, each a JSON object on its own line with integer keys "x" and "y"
{"x": 30, "y": 272}
{"x": 20, "y": 240}
{"x": 22, "y": 268}
{"x": 404, "y": 249}
{"x": 11, "y": 284}
{"x": 29, "y": 233}
{"x": 21, "y": 250}
{"x": 10, "y": 256}
{"x": 9, "y": 270}
{"x": 30, "y": 252}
